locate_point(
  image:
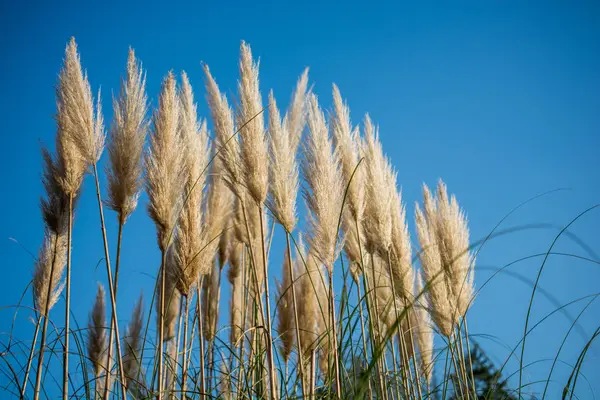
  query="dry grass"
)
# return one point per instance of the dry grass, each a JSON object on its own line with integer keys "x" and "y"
{"x": 212, "y": 200}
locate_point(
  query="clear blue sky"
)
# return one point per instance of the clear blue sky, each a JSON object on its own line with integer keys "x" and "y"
{"x": 501, "y": 99}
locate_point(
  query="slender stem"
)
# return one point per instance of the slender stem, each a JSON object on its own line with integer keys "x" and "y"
{"x": 338, "y": 380}
{"x": 362, "y": 332}
{"x": 313, "y": 367}
{"x": 65, "y": 388}
{"x": 161, "y": 320}
{"x": 269, "y": 344}
{"x": 30, "y": 358}
{"x": 456, "y": 365}
{"x": 381, "y": 361}
{"x": 295, "y": 304}
{"x": 469, "y": 353}
{"x": 201, "y": 340}
{"x": 173, "y": 360}
{"x": 111, "y": 337}
{"x": 38, "y": 377}
{"x": 184, "y": 355}
{"x": 110, "y": 286}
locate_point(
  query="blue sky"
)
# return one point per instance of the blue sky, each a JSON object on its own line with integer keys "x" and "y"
{"x": 498, "y": 98}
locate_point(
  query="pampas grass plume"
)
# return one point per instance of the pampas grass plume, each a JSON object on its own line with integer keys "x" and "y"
{"x": 127, "y": 135}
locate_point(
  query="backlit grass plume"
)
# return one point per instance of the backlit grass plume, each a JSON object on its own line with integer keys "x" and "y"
{"x": 80, "y": 119}
{"x": 250, "y": 121}
{"x": 97, "y": 341}
{"x": 188, "y": 244}
{"x": 127, "y": 135}
{"x": 445, "y": 257}
{"x": 226, "y": 143}
{"x": 285, "y": 313}
{"x": 324, "y": 192}
{"x": 132, "y": 362}
{"x": 284, "y": 139}
{"x": 165, "y": 163}
{"x": 379, "y": 195}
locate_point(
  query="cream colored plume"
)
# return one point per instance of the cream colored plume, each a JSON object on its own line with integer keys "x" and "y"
{"x": 324, "y": 192}
{"x": 226, "y": 142}
{"x": 80, "y": 120}
{"x": 127, "y": 137}
{"x": 380, "y": 188}
{"x": 437, "y": 284}
{"x": 312, "y": 307}
{"x": 401, "y": 251}
{"x": 424, "y": 332}
{"x": 97, "y": 343}
{"x": 49, "y": 268}
{"x": 190, "y": 233}
{"x": 283, "y": 170}
{"x": 285, "y": 312}
{"x": 133, "y": 343}
{"x": 165, "y": 164}
{"x": 250, "y": 121}
{"x": 347, "y": 145}
{"x": 453, "y": 244}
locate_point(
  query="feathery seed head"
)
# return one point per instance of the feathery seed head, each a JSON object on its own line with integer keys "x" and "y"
{"x": 285, "y": 316}
{"x": 97, "y": 341}
{"x": 55, "y": 205}
{"x": 133, "y": 342}
{"x": 165, "y": 164}
{"x": 346, "y": 143}
{"x": 438, "y": 293}
{"x": 127, "y": 137}
{"x": 380, "y": 187}
{"x": 49, "y": 268}
{"x": 424, "y": 332}
{"x": 283, "y": 169}
{"x": 190, "y": 234}
{"x": 80, "y": 122}
{"x": 250, "y": 120}
{"x": 324, "y": 193}
{"x": 295, "y": 117}
{"x": 226, "y": 142}
{"x": 401, "y": 250}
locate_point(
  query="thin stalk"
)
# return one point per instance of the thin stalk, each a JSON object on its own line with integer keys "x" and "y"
{"x": 30, "y": 358}
{"x": 338, "y": 380}
{"x": 461, "y": 360}
{"x": 241, "y": 340}
{"x": 456, "y": 367}
{"x": 313, "y": 367}
{"x": 397, "y": 322}
{"x": 269, "y": 344}
{"x": 296, "y": 320}
{"x": 184, "y": 355}
{"x": 112, "y": 320}
{"x": 381, "y": 360}
{"x": 369, "y": 310}
{"x": 161, "y": 319}
{"x": 469, "y": 353}
{"x": 38, "y": 377}
{"x": 396, "y": 370}
{"x": 362, "y": 333}
{"x": 67, "y": 304}
{"x": 446, "y": 376}
{"x": 110, "y": 285}
{"x": 201, "y": 340}
{"x": 174, "y": 359}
